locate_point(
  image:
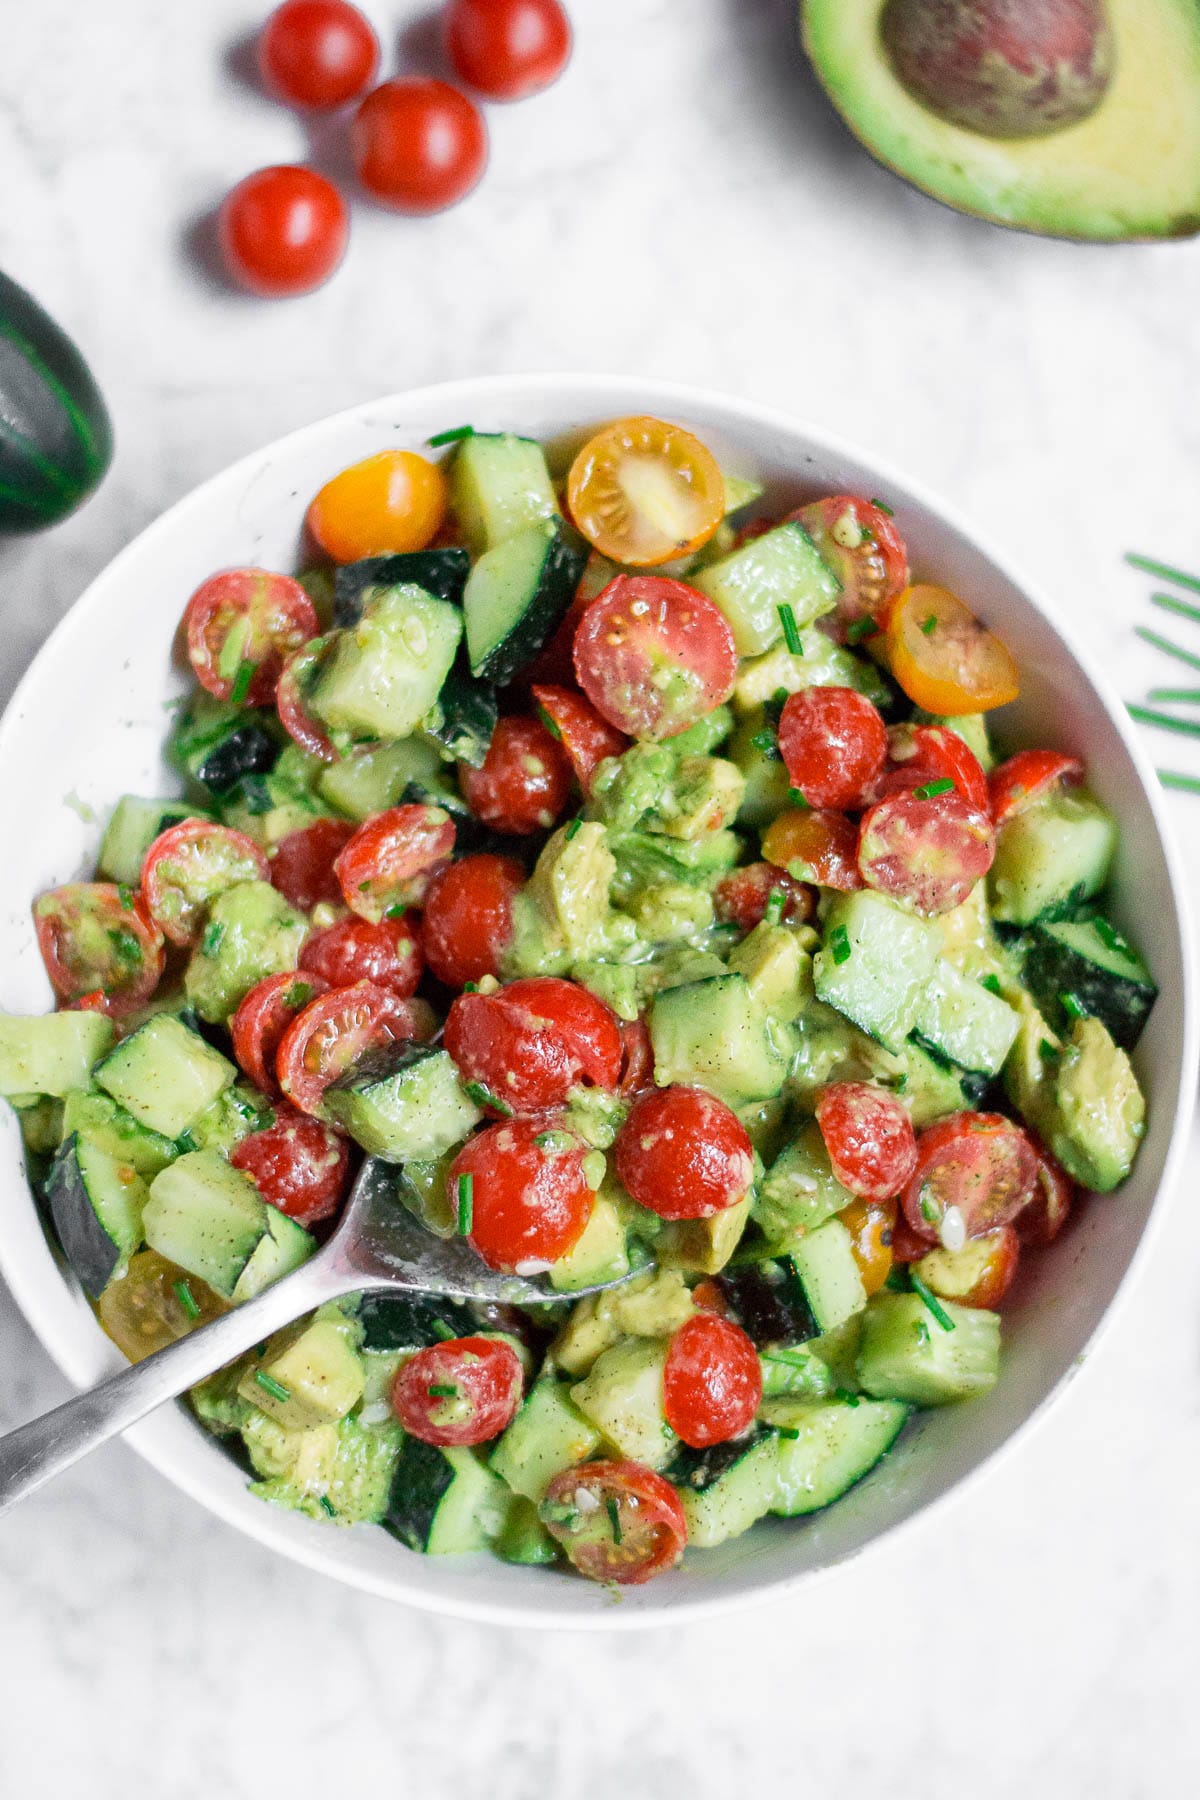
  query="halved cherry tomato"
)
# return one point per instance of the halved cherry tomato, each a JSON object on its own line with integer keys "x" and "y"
{"x": 318, "y": 53}
{"x": 332, "y": 1033}
{"x": 530, "y": 1043}
{"x": 863, "y": 548}
{"x": 353, "y": 950}
{"x": 922, "y": 756}
{"x": 925, "y": 854}
{"x": 524, "y": 781}
{"x": 299, "y": 674}
{"x": 462, "y": 1391}
{"x": 258, "y": 1025}
{"x": 834, "y": 743}
{"x": 100, "y": 946}
{"x": 187, "y": 866}
{"x": 616, "y": 1521}
{"x": 387, "y": 855}
{"x": 872, "y": 1227}
{"x": 712, "y": 1381}
{"x": 302, "y": 864}
{"x": 821, "y": 847}
{"x": 637, "y": 1057}
{"x": 707, "y": 1295}
{"x": 744, "y": 897}
{"x": 508, "y": 49}
{"x": 684, "y": 1154}
{"x": 1053, "y": 1198}
{"x": 242, "y": 626}
{"x": 1025, "y": 777}
{"x": 869, "y": 1137}
{"x": 908, "y": 1246}
{"x": 643, "y": 491}
{"x": 980, "y": 1274}
{"x": 418, "y": 146}
{"x": 978, "y": 1165}
{"x": 943, "y": 658}
{"x": 583, "y": 734}
{"x": 653, "y": 656}
{"x": 467, "y": 920}
{"x": 392, "y": 501}
{"x": 523, "y": 1187}
{"x": 297, "y": 1164}
{"x": 283, "y": 231}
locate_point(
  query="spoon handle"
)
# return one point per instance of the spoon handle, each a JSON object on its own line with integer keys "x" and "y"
{"x": 34, "y": 1453}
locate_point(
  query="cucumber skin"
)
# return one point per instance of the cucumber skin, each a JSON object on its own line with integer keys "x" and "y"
{"x": 55, "y": 445}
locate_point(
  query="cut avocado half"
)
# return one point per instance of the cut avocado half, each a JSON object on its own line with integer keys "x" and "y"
{"x": 1130, "y": 170}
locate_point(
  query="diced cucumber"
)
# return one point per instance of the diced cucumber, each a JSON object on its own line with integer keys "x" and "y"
{"x": 282, "y": 1248}
{"x": 964, "y": 1021}
{"x": 548, "y": 1434}
{"x": 1049, "y": 857}
{"x": 824, "y": 1449}
{"x": 41, "y": 1123}
{"x": 932, "y": 1088}
{"x": 829, "y": 1274}
{"x": 50, "y": 1053}
{"x": 792, "y": 1372}
{"x": 96, "y": 1204}
{"x": 444, "y": 1502}
{"x": 442, "y": 573}
{"x": 781, "y": 568}
{"x": 703, "y": 1246}
{"x": 516, "y": 595}
{"x": 217, "y": 744}
{"x": 600, "y": 1255}
{"x": 251, "y": 933}
{"x": 907, "y": 1354}
{"x": 412, "y": 1321}
{"x": 369, "y": 781}
{"x": 800, "y": 1191}
{"x": 131, "y": 830}
{"x": 523, "y": 1538}
{"x": 465, "y": 716}
{"x": 768, "y": 1300}
{"x": 724, "y": 1490}
{"x": 499, "y": 485}
{"x": 385, "y": 674}
{"x": 311, "y": 1374}
{"x": 165, "y": 1075}
{"x": 206, "y": 1216}
{"x": 875, "y": 964}
{"x": 98, "y": 1117}
{"x": 622, "y": 1395}
{"x": 715, "y": 1033}
{"x": 1086, "y": 965}
{"x": 821, "y": 663}
{"x": 405, "y": 1104}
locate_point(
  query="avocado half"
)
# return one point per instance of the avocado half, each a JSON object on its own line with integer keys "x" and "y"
{"x": 1130, "y": 170}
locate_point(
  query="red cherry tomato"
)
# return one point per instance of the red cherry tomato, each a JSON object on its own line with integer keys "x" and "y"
{"x": 980, "y": 1163}
{"x": 821, "y": 847}
{"x": 283, "y": 231}
{"x": 653, "y": 656}
{"x": 258, "y": 1025}
{"x": 352, "y": 950}
{"x": 318, "y": 53}
{"x": 869, "y": 1137}
{"x": 925, "y": 854}
{"x": 744, "y": 897}
{"x": 529, "y": 1202}
{"x": 616, "y": 1521}
{"x": 923, "y": 756}
{"x": 908, "y": 1246}
{"x": 418, "y": 145}
{"x": 530, "y": 1043}
{"x": 467, "y": 920}
{"x": 242, "y": 625}
{"x": 637, "y": 1057}
{"x": 834, "y": 743}
{"x": 387, "y": 856}
{"x": 708, "y": 1297}
{"x": 508, "y": 49}
{"x": 302, "y": 865}
{"x": 100, "y": 946}
{"x": 684, "y": 1154}
{"x": 298, "y": 1165}
{"x": 712, "y": 1381}
{"x": 525, "y": 780}
{"x": 583, "y": 734}
{"x": 291, "y": 699}
{"x": 1053, "y": 1197}
{"x": 865, "y": 551}
{"x": 1026, "y": 777}
{"x": 555, "y": 660}
{"x": 332, "y": 1033}
{"x": 187, "y": 866}
{"x": 980, "y": 1274}
{"x": 462, "y": 1391}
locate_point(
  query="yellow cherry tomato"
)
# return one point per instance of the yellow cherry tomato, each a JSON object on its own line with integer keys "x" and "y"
{"x": 870, "y": 1224}
{"x": 153, "y": 1303}
{"x": 943, "y": 658}
{"x": 643, "y": 492}
{"x": 387, "y": 503}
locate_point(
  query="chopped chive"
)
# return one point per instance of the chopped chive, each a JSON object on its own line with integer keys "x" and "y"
{"x": 1166, "y": 721}
{"x": 922, "y": 1332}
{"x": 454, "y": 436}
{"x": 1176, "y": 696}
{"x": 127, "y": 947}
{"x": 1169, "y": 603}
{"x": 776, "y": 901}
{"x": 187, "y": 1299}
{"x": 789, "y": 1431}
{"x": 327, "y": 1506}
{"x": 546, "y": 1140}
{"x": 1071, "y": 1006}
{"x": 470, "y": 987}
{"x": 791, "y": 631}
{"x": 483, "y": 1096}
{"x": 441, "y": 1390}
{"x": 573, "y": 827}
{"x": 210, "y": 943}
{"x": 839, "y": 943}
{"x": 185, "y": 1142}
{"x": 241, "y": 681}
{"x": 1108, "y": 934}
{"x": 928, "y": 1209}
{"x": 929, "y": 625}
{"x": 298, "y": 995}
{"x": 846, "y": 1396}
{"x": 443, "y": 1330}
{"x": 992, "y": 984}
{"x": 858, "y": 629}
{"x": 466, "y": 1203}
{"x": 614, "y": 1518}
{"x": 1164, "y": 571}
{"x": 883, "y": 507}
{"x": 269, "y": 1385}
{"x": 932, "y": 789}
{"x": 1167, "y": 646}
{"x": 901, "y": 1081}
{"x": 396, "y": 910}
{"x": 766, "y": 744}
{"x": 797, "y": 798}
{"x": 1046, "y": 1050}
{"x": 1185, "y": 784}
{"x": 552, "y": 727}
{"x": 931, "y": 1300}
{"x": 125, "y": 896}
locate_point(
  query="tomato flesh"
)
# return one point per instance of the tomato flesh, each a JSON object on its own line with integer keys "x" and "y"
{"x": 418, "y": 145}
{"x": 925, "y": 854}
{"x": 242, "y": 626}
{"x": 283, "y": 231}
{"x": 317, "y": 53}
{"x": 524, "y": 782}
{"x": 616, "y": 1521}
{"x": 258, "y": 1025}
{"x": 187, "y": 866}
{"x": 943, "y": 658}
{"x": 642, "y": 491}
{"x": 467, "y": 920}
{"x": 863, "y": 547}
{"x": 869, "y": 1137}
{"x": 508, "y": 49}
{"x": 712, "y": 1381}
{"x": 298, "y": 1165}
{"x": 816, "y": 846}
{"x": 637, "y": 1057}
{"x": 684, "y": 1154}
{"x": 980, "y": 1274}
{"x": 391, "y": 502}
{"x": 654, "y": 655}
{"x": 922, "y": 756}
{"x": 353, "y": 950}
{"x": 1026, "y": 777}
{"x": 748, "y": 895}
{"x": 529, "y": 1199}
{"x": 584, "y": 735}
{"x": 834, "y": 743}
{"x": 530, "y": 1043}
{"x": 100, "y": 946}
{"x": 379, "y": 869}
{"x": 979, "y": 1164}
{"x": 302, "y": 863}
{"x": 462, "y": 1391}
{"x": 1054, "y": 1195}
{"x": 332, "y": 1033}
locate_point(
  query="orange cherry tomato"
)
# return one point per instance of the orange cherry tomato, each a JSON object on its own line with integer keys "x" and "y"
{"x": 815, "y": 846}
{"x": 871, "y": 1224}
{"x": 943, "y": 658}
{"x": 643, "y": 491}
{"x": 390, "y": 502}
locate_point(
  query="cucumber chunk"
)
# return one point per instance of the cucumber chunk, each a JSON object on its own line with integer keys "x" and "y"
{"x": 165, "y": 1075}
{"x": 385, "y": 674}
{"x": 369, "y": 781}
{"x": 800, "y": 1191}
{"x": 783, "y": 567}
{"x": 206, "y": 1216}
{"x": 824, "y": 1261}
{"x": 444, "y": 1502}
{"x": 835, "y": 1443}
{"x": 1086, "y": 964}
{"x": 964, "y": 1021}
{"x": 131, "y": 830}
{"x": 875, "y": 965}
{"x": 515, "y": 597}
{"x": 499, "y": 485}
{"x": 907, "y": 1355}
{"x": 724, "y": 1490}
{"x": 1051, "y": 856}
{"x": 217, "y": 744}
{"x": 405, "y": 1104}
{"x": 96, "y": 1204}
{"x": 442, "y": 573}
{"x": 282, "y": 1248}
{"x": 548, "y": 1434}
{"x": 714, "y": 1033}
{"x": 98, "y": 1117}
{"x": 51, "y": 1053}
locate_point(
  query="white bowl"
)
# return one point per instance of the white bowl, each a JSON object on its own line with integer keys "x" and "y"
{"x": 88, "y": 724}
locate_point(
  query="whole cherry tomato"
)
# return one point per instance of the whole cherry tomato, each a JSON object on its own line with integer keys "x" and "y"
{"x": 530, "y": 1043}
{"x": 419, "y": 145}
{"x": 283, "y": 231}
{"x": 524, "y": 782}
{"x": 317, "y": 53}
{"x": 388, "y": 503}
{"x": 520, "y": 1191}
{"x": 508, "y": 49}
{"x": 712, "y": 1381}
{"x": 298, "y": 1164}
{"x": 467, "y": 919}
{"x": 684, "y": 1154}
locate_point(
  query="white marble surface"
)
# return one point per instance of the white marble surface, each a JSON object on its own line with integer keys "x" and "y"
{"x": 682, "y": 204}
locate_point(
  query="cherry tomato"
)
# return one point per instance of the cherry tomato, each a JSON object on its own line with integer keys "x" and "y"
{"x": 529, "y": 1202}
{"x": 707, "y": 1295}
{"x": 390, "y": 502}
{"x": 318, "y": 53}
{"x": 922, "y": 756}
{"x": 821, "y": 847}
{"x": 616, "y": 1521}
{"x": 353, "y": 950}
{"x": 524, "y": 782}
{"x": 298, "y": 1165}
{"x": 653, "y": 656}
{"x": 242, "y": 625}
{"x": 419, "y": 145}
{"x": 583, "y": 734}
{"x": 925, "y": 854}
{"x": 865, "y": 551}
{"x": 1053, "y": 1197}
{"x": 943, "y": 658}
{"x": 979, "y": 1164}
{"x": 187, "y": 866}
{"x": 283, "y": 231}
{"x": 333, "y": 1033}
{"x": 291, "y": 698}
{"x": 467, "y": 922}
{"x": 745, "y": 897}
{"x": 909, "y": 1246}
{"x": 872, "y": 1225}
{"x": 642, "y": 491}
{"x": 143, "y": 1311}
{"x": 462, "y": 1391}
{"x": 833, "y": 742}
{"x": 99, "y": 944}
{"x": 869, "y": 1137}
{"x": 1026, "y": 777}
{"x": 712, "y": 1381}
{"x": 258, "y": 1025}
{"x": 508, "y": 49}
{"x": 530, "y": 1043}
{"x": 637, "y": 1057}
{"x": 980, "y": 1274}
{"x": 302, "y": 864}
{"x": 386, "y": 857}
{"x": 684, "y": 1154}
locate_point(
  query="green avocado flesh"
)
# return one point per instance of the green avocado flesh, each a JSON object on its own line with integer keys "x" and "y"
{"x": 1130, "y": 170}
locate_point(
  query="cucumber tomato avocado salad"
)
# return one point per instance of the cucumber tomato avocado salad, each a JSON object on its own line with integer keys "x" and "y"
{"x": 642, "y": 882}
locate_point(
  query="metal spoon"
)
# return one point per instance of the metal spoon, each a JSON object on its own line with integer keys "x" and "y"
{"x": 378, "y": 1245}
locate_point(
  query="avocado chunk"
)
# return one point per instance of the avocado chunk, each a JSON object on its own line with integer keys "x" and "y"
{"x": 716, "y": 1034}
{"x": 251, "y": 933}
{"x": 563, "y": 914}
{"x": 1097, "y": 1113}
{"x": 1129, "y": 169}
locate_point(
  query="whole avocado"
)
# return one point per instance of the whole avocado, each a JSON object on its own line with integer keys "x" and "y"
{"x": 55, "y": 434}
